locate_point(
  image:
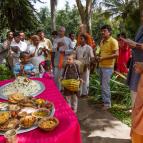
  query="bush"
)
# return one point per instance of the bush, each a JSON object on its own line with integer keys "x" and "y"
{"x": 5, "y": 73}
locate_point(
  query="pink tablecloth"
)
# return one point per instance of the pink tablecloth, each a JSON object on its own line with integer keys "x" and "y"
{"x": 68, "y": 130}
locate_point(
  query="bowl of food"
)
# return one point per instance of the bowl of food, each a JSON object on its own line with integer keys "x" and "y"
{"x": 40, "y": 102}
{"x": 49, "y": 106}
{"x": 10, "y": 124}
{"x": 48, "y": 124}
{"x": 41, "y": 113}
{"x": 27, "y": 121}
{"x": 4, "y": 116}
{"x": 16, "y": 97}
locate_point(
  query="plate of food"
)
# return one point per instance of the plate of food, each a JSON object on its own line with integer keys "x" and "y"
{"x": 27, "y": 87}
{"x": 48, "y": 124}
{"x": 22, "y": 113}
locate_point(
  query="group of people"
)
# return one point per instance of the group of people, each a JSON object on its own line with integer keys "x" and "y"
{"x": 70, "y": 58}
{"x": 37, "y": 56}
{"x": 65, "y": 58}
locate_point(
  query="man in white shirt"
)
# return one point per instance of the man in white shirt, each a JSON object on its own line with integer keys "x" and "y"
{"x": 17, "y": 42}
{"x": 16, "y": 47}
{"x": 22, "y": 36}
{"x": 74, "y": 41}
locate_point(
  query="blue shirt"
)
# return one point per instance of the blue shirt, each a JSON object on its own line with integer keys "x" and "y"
{"x": 27, "y": 68}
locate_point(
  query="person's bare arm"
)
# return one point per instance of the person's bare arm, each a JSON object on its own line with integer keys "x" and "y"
{"x": 133, "y": 44}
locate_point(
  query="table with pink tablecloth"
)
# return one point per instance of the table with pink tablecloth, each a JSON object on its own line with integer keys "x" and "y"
{"x": 68, "y": 130}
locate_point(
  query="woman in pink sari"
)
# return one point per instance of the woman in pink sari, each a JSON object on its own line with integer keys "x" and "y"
{"x": 124, "y": 55}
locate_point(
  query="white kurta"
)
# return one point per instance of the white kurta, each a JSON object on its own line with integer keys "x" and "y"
{"x": 22, "y": 45}
{"x": 84, "y": 54}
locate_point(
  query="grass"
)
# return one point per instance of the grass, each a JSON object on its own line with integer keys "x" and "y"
{"x": 121, "y": 100}
{"x": 121, "y": 112}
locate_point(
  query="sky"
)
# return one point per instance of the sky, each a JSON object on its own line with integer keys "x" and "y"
{"x": 61, "y": 4}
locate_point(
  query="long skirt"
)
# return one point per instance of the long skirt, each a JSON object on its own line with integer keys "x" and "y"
{"x": 136, "y": 138}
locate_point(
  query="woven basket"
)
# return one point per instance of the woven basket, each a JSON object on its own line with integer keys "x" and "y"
{"x": 71, "y": 84}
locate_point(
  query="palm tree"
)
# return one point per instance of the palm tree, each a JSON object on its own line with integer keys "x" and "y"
{"x": 18, "y": 14}
{"x": 53, "y": 14}
{"x": 119, "y": 8}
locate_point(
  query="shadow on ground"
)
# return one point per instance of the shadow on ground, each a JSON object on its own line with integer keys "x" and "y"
{"x": 105, "y": 140}
{"x": 98, "y": 126}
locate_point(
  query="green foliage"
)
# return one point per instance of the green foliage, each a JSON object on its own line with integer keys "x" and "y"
{"x": 98, "y": 21}
{"x": 119, "y": 89}
{"x": 125, "y": 12}
{"x": 69, "y": 18}
{"x": 133, "y": 23}
{"x": 18, "y": 15}
{"x": 45, "y": 19}
{"x": 5, "y": 73}
{"x": 121, "y": 112}
{"x": 119, "y": 8}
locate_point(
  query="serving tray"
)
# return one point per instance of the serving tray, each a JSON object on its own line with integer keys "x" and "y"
{"x": 23, "y": 130}
{"x": 33, "y": 95}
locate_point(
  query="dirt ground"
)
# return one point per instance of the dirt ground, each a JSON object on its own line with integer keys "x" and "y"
{"x": 98, "y": 126}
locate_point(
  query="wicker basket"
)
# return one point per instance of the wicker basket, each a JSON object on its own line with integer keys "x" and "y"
{"x": 48, "y": 119}
{"x": 71, "y": 84}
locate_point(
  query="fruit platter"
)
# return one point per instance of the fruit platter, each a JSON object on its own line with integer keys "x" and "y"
{"x": 26, "y": 113}
{"x": 24, "y": 85}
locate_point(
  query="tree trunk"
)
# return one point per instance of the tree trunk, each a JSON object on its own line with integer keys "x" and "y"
{"x": 86, "y": 12}
{"x": 11, "y": 20}
{"x": 141, "y": 5}
{"x": 53, "y": 14}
